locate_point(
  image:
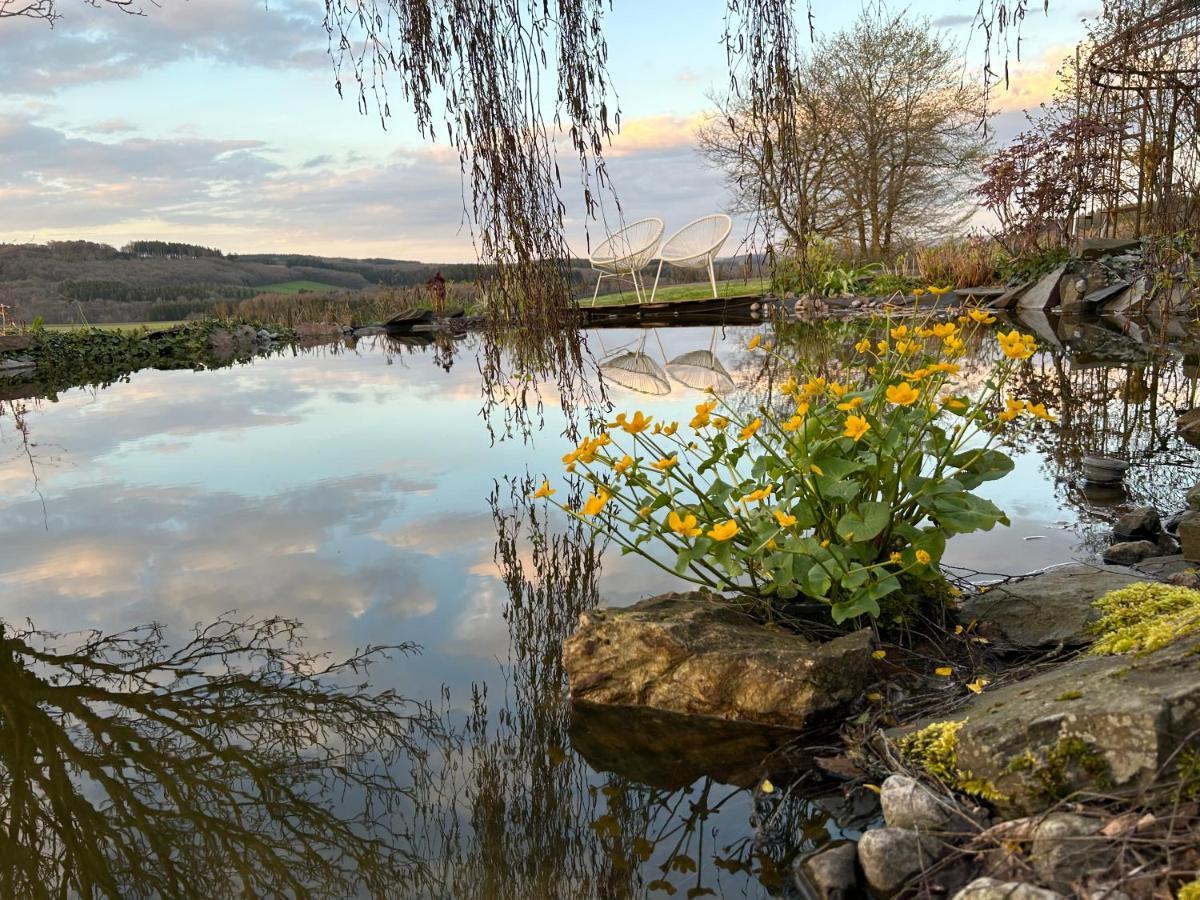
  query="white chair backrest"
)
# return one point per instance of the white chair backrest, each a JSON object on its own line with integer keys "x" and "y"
{"x": 697, "y": 241}
{"x": 636, "y": 241}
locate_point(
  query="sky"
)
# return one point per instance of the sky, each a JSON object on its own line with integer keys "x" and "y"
{"x": 217, "y": 122}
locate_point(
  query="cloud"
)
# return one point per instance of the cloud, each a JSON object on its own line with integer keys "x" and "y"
{"x": 110, "y": 126}
{"x": 89, "y": 46}
{"x": 1031, "y": 83}
{"x": 951, "y": 21}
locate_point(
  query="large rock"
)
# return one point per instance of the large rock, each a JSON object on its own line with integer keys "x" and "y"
{"x": 909, "y": 804}
{"x": 831, "y": 873}
{"x": 991, "y": 889}
{"x": 1048, "y": 609}
{"x": 1127, "y": 553}
{"x": 891, "y": 857}
{"x": 1189, "y": 535}
{"x": 1138, "y": 523}
{"x": 692, "y": 653}
{"x": 1094, "y": 248}
{"x": 1044, "y": 293}
{"x": 1188, "y": 425}
{"x": 1097, "y": 722}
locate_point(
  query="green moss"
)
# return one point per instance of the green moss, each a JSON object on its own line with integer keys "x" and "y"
{"x": 934, "y": 749}
{"x": 1143, "y": 617}
{"x": 1069, "y": 695}
{"x": 1190, "y": 891}
{"x": 1061, "y": 770}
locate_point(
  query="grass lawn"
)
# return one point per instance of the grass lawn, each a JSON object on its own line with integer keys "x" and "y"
{"x": 295, "y": 287}
{"x": 700, "y": 290}
{"x": 119, "y": 326}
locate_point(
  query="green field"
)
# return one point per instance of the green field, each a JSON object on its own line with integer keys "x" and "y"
{"x": 700, "y": 290}
{"x": 295, "y": 287}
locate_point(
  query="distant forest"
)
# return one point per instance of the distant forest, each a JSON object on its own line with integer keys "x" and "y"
{"x": 143, "y": 281}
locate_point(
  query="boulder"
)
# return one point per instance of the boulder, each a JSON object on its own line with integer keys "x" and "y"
{"x": 1193, "y": 497}
{"x": 10, "y": 343}
{"x": 1188, "y": 426}
{"x": 1140, "y": 522}
{"x": 891, "y": 857}
{"x": 1044, "y": 293}
{"x": 831, "y": 873}
{"x": 1097, "y": 722}
{"x": 1062, "y": 850}
{"x": 695, "y": 654}
{"x": 1127, "y": 553}
{"x": 1094, "y": 248}
{"x": 1189, "y": 535}
{"x": 909, "y": 804}
{"x": 991, "y": 889}
{"x": 1048, "y": 609}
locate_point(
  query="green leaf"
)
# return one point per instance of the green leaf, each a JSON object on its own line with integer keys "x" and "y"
{"x": 977, "y": 466}
{"x": 866, "y": 522}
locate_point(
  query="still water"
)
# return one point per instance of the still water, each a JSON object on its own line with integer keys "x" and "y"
{"x": 369, "y": 493}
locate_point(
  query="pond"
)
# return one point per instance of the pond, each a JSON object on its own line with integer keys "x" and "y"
{"x": 370, "y": 493}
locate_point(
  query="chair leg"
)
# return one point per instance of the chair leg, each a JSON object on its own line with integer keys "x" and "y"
{"x": 596, "y": 293}
{"x": 636, "y": 288}
{"x": 656, "y": 276}
{"x": 712, "y": 278}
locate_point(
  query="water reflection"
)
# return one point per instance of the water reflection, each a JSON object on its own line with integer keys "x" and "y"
{"x": 234, "y": 764}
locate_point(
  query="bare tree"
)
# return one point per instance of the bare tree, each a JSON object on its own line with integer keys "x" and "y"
{"x": 883, "y": 140}
{"x": 47, "y": 10}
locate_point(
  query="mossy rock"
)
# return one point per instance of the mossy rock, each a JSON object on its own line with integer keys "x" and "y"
{"x": 1092, "y": 724}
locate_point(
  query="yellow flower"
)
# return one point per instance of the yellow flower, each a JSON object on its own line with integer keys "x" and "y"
{"x": 754, "y": 342}
{"x": 772, "y": 545}
{"x": 856, "y": 427}
{"x": 953, "y": 345}
{"x": 703, "y": 411}
{"x": 686, "y": 526}
{"x": 795, "y": 421}
{"x": 760, "y": 494}
{"x": 1013, "y": 408}
{"x": 643, "y": 512}
{"x": 669, "y": 430}
{"x": 948, "y": 368}
{"x": 895, "y": 558}
{"x": 544, "y": 491}
{"x": 663, "y": 464}
{"x": 938, "y": 291}
{"x": 623, "y": 466}
{"x": 749, "y": 430}
{"x": 852, "y": 403}
{"x": 957, "y": 404}
{"x": 917, "y": 375}
{"x": 923, "y": 557}
{"x": 977, "y": 686}
{"x": 1039, "y": 410}
{"x": 815, "y": 469}
{"x": 789, "y": 388}
{"x": 636, "y": 425}
{"x": 981, "y": 317}
{"x": 720, "y": 422}
{"x": 902, "y": 394}
{"x": 814, "y": 387}
{"x": 879, "y": 654}
{"x": 838, "y": 390}
{"x": 918, "y": 292}
{"x": 863, "y": 346}
{"x": 882, "y": 346}
{"x": 902, "y": 347}
{"x": 899, "y": 332}
{"x": 784, "y": 520}
{"x": 723, "y": 531}
{"x": 1016, "y": 345}
{"x": 944, "y": 671}
{"x": 595, "y": 503}
{"x": 944, "y": 329}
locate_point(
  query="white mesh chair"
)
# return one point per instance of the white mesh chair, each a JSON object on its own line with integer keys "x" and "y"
{"x": 695, "y": 246}
{"x": 627, "y": 252}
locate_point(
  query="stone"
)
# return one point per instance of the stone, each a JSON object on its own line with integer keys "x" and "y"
{"x": 1094, "y": 248}
{"x": 1188, "y": 426}
{"x": 909, "y": 804}
{"x": 891, "y": 857}
{"x": 1009, "y": 297}
{"x": 1189, "y": 536}
{"x": 1127, "y": 553}
{"x": 1045, "y": 610}
{"x": 1141, "y": 522}
{"x": 692, "y": 653}
{"x": 1044, "y": 293}
{"x": 12, "y": 342}
{"x": 831, "y": 872}
{"x": 1193, "y": 497}
{"x": 13, "y": 363}
{"x": 1061, "y": 852}
{"x": 1098, "y": 722}
{"x": 991, "y": 889}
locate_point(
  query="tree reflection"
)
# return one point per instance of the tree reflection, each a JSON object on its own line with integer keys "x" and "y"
{"x": 234, "y": 765}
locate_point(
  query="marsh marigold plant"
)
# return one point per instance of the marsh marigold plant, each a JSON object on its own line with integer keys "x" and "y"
{"x": 848, "y": 491}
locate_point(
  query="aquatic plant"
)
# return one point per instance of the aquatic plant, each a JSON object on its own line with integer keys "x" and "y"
{"x": 1144, "y": 617}
{"x": 843, "y": 498}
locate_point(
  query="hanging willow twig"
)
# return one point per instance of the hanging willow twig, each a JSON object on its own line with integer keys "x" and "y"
{"x": 488, "y": 64}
